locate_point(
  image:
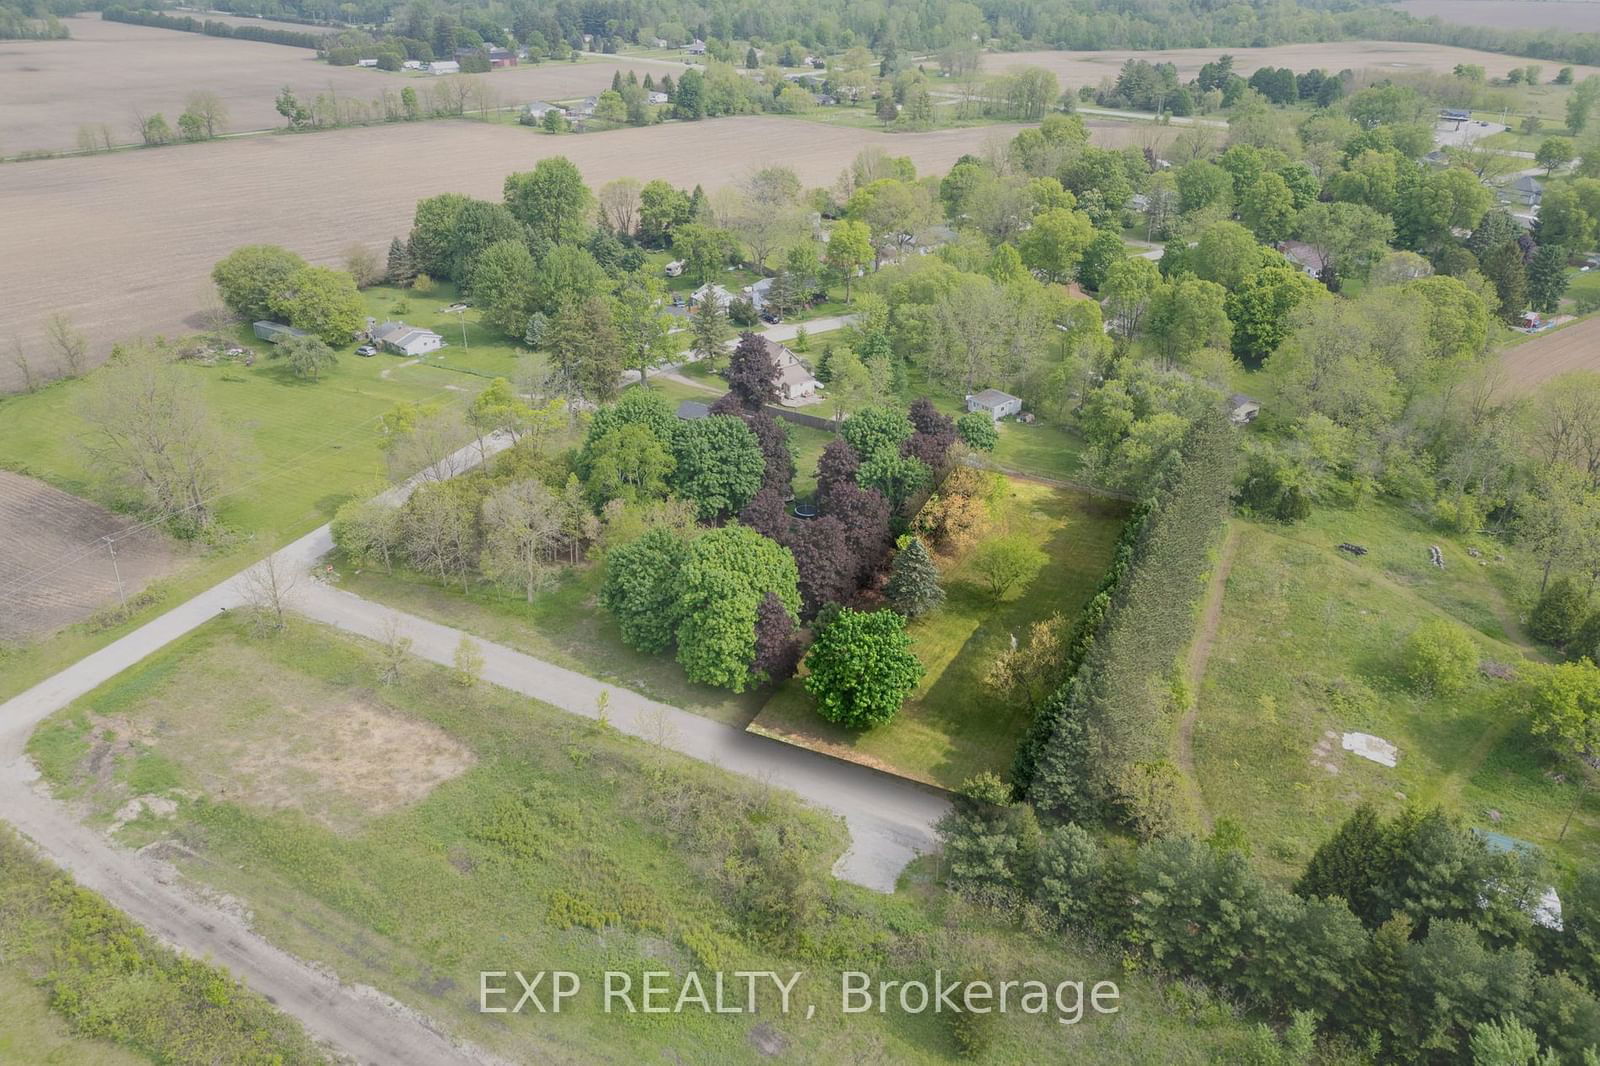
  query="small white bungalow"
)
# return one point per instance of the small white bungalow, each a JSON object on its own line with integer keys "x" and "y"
{"x": 712, "y": 292}
{"x": 406, "y": 340}
{"x": 994, "y": 403}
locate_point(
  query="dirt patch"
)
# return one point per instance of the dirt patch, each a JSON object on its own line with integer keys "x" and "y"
{"x": 1199, "y": 656}
{"x": 1575, "y": 347}
{"x": 55, "y": 568}
{"x": 340, "y": 764}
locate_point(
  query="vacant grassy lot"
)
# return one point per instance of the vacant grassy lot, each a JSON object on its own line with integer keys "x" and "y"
{"x": 31, "y": 1036}
{"x": 1308, "y": 649}
{"x": 953, "y": 726}
{"x": 564, "y": 845}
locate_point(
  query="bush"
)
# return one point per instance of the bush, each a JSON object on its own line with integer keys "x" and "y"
{"x": 861, "y": 668}
{"x": 1559, "y": 613}
{"x": 977, "y": 431}
{"x": 1439, "y": 657}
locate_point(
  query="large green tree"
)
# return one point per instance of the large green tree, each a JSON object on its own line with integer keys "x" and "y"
{"x": 502, "y": 286}
{"x": 1260, "y": 308}
{"x": 321, "y": 301}
{"x": 251, "y": 278}
{"x": 551, "y": 200}
{"x": 719, "y": 465}
{"x": 642, "y": 590}
{"x": 861, "y": 669}
{"x": 725, "y": 576}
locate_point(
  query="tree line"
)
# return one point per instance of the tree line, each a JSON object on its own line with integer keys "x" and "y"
{"x": 213, "y": 28}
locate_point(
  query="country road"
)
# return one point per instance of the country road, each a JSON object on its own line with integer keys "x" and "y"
{"x": 890, "y": 820}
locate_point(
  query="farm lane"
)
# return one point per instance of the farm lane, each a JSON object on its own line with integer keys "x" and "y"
{"x": 891, "y": 819}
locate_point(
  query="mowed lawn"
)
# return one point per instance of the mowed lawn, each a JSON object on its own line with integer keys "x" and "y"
{"x": 1308, "y": 648}
{"x": 453, "y": 830}
{"x": 953, "y": 726}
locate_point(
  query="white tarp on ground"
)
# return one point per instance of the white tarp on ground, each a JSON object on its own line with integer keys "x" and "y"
{"x": 1370, "y": 747}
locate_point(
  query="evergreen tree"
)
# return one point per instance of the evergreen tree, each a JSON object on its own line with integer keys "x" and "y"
{"x": 913, "y": 587}
{"x": 1559, "y": 613}
{"x": 1503, "y": 266}
{"x": 1353, "y": 865}
{"x": 752, "y": 374}
{"x": 1547, "y": 278}
{"x": 402, "y": 270}
{"x": 616, "y": 81}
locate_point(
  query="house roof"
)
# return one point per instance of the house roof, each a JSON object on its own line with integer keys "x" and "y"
{"x": 1239, "y": 399}
{"x": 994, "y": 398}
{"x": 399, "y": 334}
{"x": 792, "y": 370}
{"x": 1304, "y": 254}
{"x": 1528, "y": 183}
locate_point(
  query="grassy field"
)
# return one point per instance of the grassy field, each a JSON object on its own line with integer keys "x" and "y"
{"x": 555, "y": 844}
{"x": 953, "y": 727}
{"x": 1307, "y": 649}
{"x": 31, "y": 1036}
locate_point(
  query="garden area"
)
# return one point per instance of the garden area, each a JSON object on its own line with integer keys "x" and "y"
{"x": 955, "y": 725}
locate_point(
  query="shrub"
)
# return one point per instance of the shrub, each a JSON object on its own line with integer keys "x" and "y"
{"x": 1559, "y": 613}
{"x": 1439, "y": 657}
{"x": 977, "y": 431}
{"x": 861, "y": 668}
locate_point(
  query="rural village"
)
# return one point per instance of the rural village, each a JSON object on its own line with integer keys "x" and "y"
{"x": 806, "y": 533}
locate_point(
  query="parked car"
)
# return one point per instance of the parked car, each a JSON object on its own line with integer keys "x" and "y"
{"x": 366, "y": 349}
{"x": 679, "y": 301}
{"x": 771, "y": 318}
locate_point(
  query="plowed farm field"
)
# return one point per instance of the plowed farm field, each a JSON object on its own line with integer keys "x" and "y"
{"x": 1574, "y": 347}
{"x": 55, "y": 568}
{"x": 123, "y": 243}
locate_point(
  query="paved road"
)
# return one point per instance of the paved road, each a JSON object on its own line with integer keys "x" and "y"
{"x": 891, "y": 820}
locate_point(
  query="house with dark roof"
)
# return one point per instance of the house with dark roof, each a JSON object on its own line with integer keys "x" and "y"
{"x": 402, "y": 339}
{"x": 796, "y": 384}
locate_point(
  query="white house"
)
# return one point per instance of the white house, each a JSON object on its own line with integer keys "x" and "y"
{"x": 661, "y": 42}
{"x": 994, "y": 403}
{"x": 366, "y": 62}
{"x": 412, "y": 64}
{"x": 655, "y": 97}
{"x": 406, "y": 340}
{"x": 796, "y": 384}
{"x": 540, "y": 108}
{"x": 1529, "y": 190}
{"x": 758, "y": 294}
{"x": 1303, "y": 256}
{"x": 696, "y": 47}
{"x": 444, "y": 66}
{"x": 713, "y": 292}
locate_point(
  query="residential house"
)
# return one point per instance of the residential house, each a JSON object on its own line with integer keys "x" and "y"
{"x": 757, "y": 294}
{"x": 412, "y": 64}
{"x": 656, "y": 97}
{"x": 1456, "y": 115}
{"x": 444, "y": 66}
{"x": 994, "y": 403}
{"x": 712, "y": 292}
{"x": 696, "y": 47}
{"x": 585, "y": 108}
{"x": 1303, "y": 256}
{"x": 366, "y": 62}
{"x": 1242, "y": 409}
{"x": 275, "y": 332}
{"x": 402, "y": 339}
{"x": 661, "y": 42}
{"x": 1528, "y": 189}
{"x": 540, "y": 108}
{"x": 796, "y": 384}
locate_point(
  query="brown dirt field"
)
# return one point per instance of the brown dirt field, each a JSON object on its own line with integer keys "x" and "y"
{"x": 1579, "y": 16}
{"x": 40, "y": 526}
{"x": 109, "y": 71}
{"x": 1089, "y": 68}
{"x": 1574, "y": 347}
{"x": 124, "y": 242}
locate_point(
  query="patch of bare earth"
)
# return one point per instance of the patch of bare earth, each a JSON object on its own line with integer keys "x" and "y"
{"x": 55, "y": 568}
{"x": 1575, "y": 347}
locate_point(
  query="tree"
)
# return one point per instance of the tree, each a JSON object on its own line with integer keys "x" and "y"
{"x": 584, "y": 343}
{"x": 1564, "y": 705}
{"x": 629, "y": 463}
{"x": 476, "y": 226}
{"x": 898, "y": 477}
{"x": 1507, "y": 1043}
{"x": 619, "y": 202}
{"x": 989, "y": 840}
{"x": 306, "y": 355}
{"x": 641, "y": 588}
{"x": 703, "y": 249}
{"x": 1440, "y": 657}
{"x": 822, "y": 555}
{"x": 1553, "y": 152}
{"x": 149, "y": 431}
{"x": 1559, "y": 612}
{"x": 551, "y": 200}
{"x": 777, "y": 652}
{"x": 719, "y": 465}
{"x": 709, "y": 332}
{"x": 642, "y": 325}
{"x": 502, "y": 286}
{"x": 439, "y": 530}
{"x": 522, "y": 530}
{"x": 1055, "y": 242}
{"x": 1267, "y": 206}
{"x": 69, "y": 343}
{"x": 849, "y": 250}
{"x": 1503, "y": 266}
{"x": 977, "y": 431}
{"x": 726, "y": 575}
{"x": 1187, "y": 315}
{"x": 752, "y": 373}
{"x": 1006, "y": 562}
{"x": 1260, "y": 309}
{"x": 367, "y": 532}
{"x": 861, "y": 668}
{"x": 362, "y": 264}
{"x": 1351, "y": 237}
{"x": 1126, "y": 293}
{"x": 661, "y": 208}
{"x": 321, "y": 301}
{"x": 468, "y": 662}
{"x": 252, "y": 277}
{"x": 913, "y": 587}
{"x": 1026, "y": 671}
{"x": 1547, "y": 278}
{"x": 568, "y": 274}
{"x": 208, "y": 110}
{"x": 872, "y": 431}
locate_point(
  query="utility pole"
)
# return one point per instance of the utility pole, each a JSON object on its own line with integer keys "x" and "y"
{"x": 111, "y": 547}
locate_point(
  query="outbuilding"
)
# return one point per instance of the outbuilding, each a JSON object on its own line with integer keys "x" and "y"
{"x": 994, "y": 403}
{"x": 275, "y": 332}
{"x": 402, "y": 339}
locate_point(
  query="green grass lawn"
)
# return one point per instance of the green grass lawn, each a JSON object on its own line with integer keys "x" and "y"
{"x": 953, "y": 726}
{"x": 1308, "y": 648}
{"x": 551, "y": 842}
